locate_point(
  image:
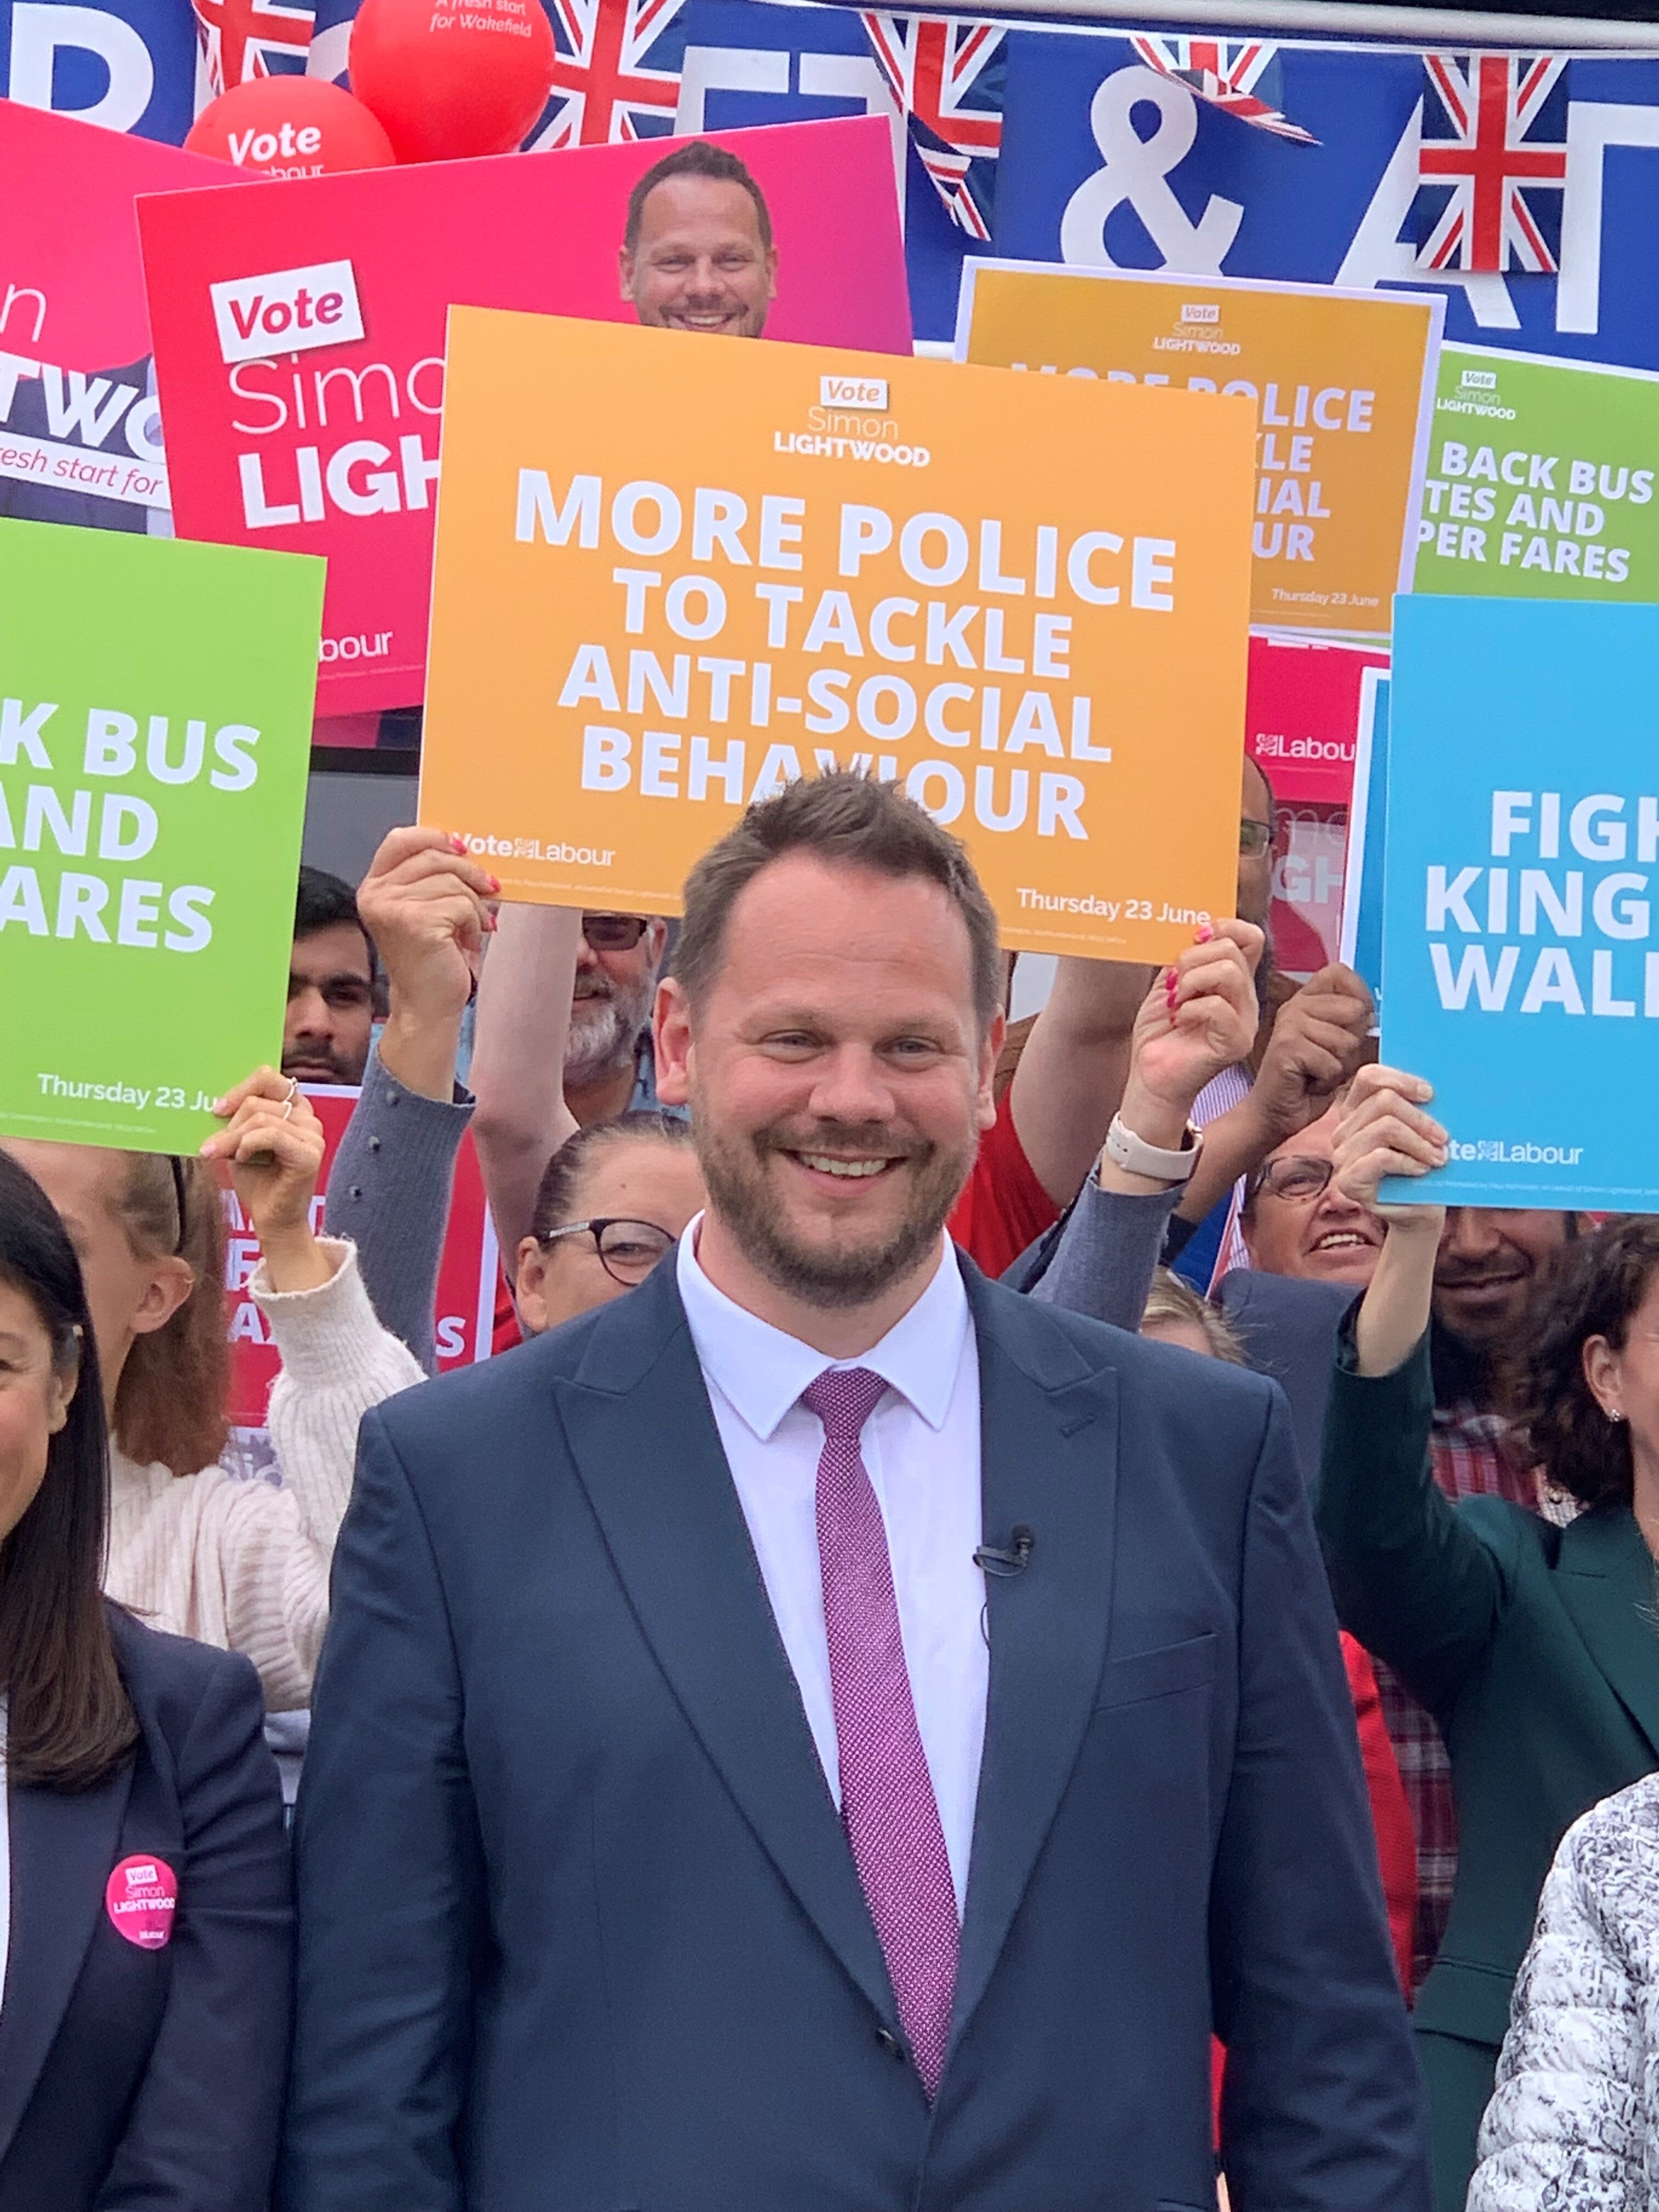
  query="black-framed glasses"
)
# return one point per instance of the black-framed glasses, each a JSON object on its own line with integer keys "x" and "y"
{"x": 628, "y": 1250}
{"x": 1254, "y": 836}
{"x": 179, "y": 1199}
{"x": 1299, "y": 1179}
{"x": 614, "y": 932}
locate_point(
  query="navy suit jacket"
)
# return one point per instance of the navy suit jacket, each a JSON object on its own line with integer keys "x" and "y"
{"x": 579, "y": 1929}
{"x": 135, "y": 2078}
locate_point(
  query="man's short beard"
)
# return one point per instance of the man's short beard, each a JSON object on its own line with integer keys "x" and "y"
{"x": 341, "y": 1070}
{"x": 602, "y": 1031}
{"x": 734, "y": 1171}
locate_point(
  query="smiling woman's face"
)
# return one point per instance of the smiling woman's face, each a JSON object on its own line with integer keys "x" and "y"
{"x": 1297, "y": 1228}
{"x": 35, "y": 1400}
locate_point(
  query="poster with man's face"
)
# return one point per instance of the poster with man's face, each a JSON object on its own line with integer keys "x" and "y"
{"x": 299, "y": 347}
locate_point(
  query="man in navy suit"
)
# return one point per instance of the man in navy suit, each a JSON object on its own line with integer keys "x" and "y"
{"x": 824, "y": 1734}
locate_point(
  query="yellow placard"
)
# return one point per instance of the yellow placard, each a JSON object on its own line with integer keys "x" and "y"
{"x": 1344, "y": 382}
{"x": 674, "y": 573}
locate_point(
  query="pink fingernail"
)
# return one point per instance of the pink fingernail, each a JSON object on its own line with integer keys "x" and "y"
{"x": 1203, "y": 933}
{"x": 495, "y": 886}
{"x": 456, "y": 842}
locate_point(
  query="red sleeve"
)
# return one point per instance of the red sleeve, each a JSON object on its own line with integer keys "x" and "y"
{"x": 1003, "y": 1207}
{"x": 1396, "y": 1846}
{"x": 506, "y": 1332}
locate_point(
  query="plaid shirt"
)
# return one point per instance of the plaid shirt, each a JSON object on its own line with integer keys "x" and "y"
{"x": 1464, "y": 1445}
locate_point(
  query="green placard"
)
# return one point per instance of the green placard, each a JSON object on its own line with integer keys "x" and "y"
{"x": 156, "y": 702}
{"x": 1541, "y": 480}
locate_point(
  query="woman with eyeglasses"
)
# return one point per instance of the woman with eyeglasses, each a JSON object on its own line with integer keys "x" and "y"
{"x": 144, "y": 1913}
{"x": 612, "y": 1203}
{"x": 1298, "y": 1220}
{"x": 242, "y": 1564}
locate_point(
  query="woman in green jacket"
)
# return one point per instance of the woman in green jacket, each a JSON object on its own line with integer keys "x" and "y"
{"x": 1535, "y": 1647}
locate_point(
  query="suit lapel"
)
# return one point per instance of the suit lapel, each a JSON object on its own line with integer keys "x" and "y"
{"x": 63, "y": 1846}
{"x": 1049, "y": 1423}
{"x": 1606, "y": 1577}
{"x": 645, "y": 1448}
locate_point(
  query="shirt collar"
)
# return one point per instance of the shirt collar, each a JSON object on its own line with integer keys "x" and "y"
{"x": 763, "y": 1370}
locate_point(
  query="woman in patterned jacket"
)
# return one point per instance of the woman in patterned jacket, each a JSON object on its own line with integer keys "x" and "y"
{"x": 1574, "y": 2122}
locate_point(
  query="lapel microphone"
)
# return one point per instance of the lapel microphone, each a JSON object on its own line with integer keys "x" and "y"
{"x": 1021, "y": 1542}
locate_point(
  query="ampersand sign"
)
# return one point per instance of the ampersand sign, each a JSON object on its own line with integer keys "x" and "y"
{"x": 1136, "y": 170}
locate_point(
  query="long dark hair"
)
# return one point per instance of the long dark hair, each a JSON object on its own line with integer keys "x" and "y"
{"x": 1595, "y": 1285}
{"x": 69, "y": 1719}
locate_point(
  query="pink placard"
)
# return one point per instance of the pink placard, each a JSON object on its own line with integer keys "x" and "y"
{"x": 71, "y": 284}
{"x": 282, "y": 433}
{"x": 1302, "y": 708}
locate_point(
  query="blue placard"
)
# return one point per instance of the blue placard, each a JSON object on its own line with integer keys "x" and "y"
{"x": 1519, "y": 971}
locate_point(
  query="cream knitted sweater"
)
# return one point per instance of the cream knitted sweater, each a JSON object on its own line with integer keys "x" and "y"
{"x": 242, "y": 1564}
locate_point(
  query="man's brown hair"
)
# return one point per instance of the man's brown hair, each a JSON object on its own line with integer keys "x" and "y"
{"x": 844, "y": 820}
{"x": 699, "y": 159}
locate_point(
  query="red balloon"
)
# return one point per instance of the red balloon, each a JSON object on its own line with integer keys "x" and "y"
{"x": 290, "y": 126}
{"x": 451, "y": 78}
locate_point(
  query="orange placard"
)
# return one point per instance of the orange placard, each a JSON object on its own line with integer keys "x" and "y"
{"x": 1344, "y": 382}
{"x": 674, "y": 573}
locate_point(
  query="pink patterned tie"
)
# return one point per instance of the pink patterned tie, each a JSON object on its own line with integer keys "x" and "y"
{"x": 887, "y": 1802}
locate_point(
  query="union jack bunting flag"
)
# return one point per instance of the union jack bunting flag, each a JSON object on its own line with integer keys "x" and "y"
{"x": 1493, "y": 164}
{"x": 618, "y": 73}
{"x": 1235, "y": 75}
{"x": 946, "y": 77}
{"x": 239, "y": 39}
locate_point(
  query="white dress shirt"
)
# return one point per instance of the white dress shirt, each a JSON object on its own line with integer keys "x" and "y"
{"x": 921, "y": 1447}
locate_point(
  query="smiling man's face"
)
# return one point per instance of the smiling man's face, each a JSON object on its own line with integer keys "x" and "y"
{"x": 1490, "y": 1257}
{"x": 838, "y": 1077}
{"x": 699, "y": 263}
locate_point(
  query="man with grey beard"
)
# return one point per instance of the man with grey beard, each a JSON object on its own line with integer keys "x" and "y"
{"x": 607, "y": 1063}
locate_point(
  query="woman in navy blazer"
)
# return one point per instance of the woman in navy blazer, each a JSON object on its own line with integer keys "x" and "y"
{"x": 144, "y": 1918}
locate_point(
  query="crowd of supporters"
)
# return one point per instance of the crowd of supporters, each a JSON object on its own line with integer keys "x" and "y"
{"x": 1193, "y": 1154}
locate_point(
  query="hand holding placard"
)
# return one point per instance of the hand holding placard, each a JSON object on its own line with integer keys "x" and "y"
{"x": 154, "y": 735}
{"x": 1026, "y": 603}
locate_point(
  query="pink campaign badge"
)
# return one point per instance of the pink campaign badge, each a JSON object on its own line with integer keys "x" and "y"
{"x": 139, "y": 1898}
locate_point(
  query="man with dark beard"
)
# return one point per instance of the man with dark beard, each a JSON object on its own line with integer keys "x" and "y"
{"x": 822, "y": 1730}
{"x": 330, "y": 1021}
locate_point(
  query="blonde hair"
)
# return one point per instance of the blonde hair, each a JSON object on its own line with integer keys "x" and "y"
{"x": 170, "y": 1402}
{"x": 1172, "y": 1300}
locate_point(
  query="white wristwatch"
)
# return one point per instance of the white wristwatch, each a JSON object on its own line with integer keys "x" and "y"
{"x": 1136, "y": 1157}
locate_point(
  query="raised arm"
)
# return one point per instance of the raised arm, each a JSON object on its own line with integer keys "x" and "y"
{"x": 266, "y": 1552}
{"x": 1318, "y": 1042}
{"x": 1411, "y": 1579}
{"x": 423, "y": 903}
{"x": 1197, "y": 1019}
{"x": 518, "y": 1059}
{"x": 1072, "y": 1073}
